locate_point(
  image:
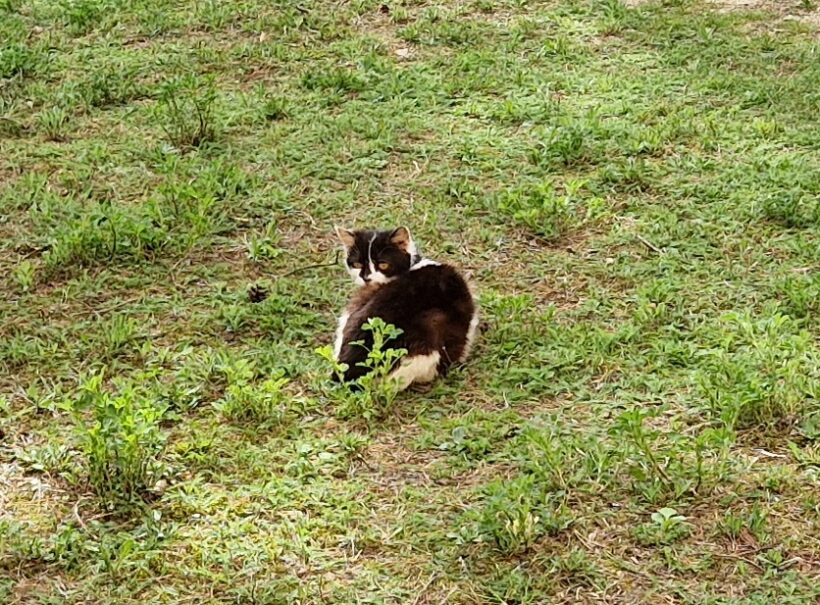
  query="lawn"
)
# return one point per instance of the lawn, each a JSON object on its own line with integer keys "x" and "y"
{"x": 634, "y": 188}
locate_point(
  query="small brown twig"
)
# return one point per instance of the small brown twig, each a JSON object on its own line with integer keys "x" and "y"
{"x": 423, "y": 591}
{"x": 649, "y": 244}
{"x": 308, "y": 267}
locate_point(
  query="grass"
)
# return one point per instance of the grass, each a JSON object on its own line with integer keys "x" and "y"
{"x": 634, "y": 188}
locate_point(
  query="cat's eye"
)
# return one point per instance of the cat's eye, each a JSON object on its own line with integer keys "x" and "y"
{"x": 383, "y": 266}
{"x": 357, "y": 265}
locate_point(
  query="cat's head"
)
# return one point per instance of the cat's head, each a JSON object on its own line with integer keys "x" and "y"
{"x": 377, "y": 257}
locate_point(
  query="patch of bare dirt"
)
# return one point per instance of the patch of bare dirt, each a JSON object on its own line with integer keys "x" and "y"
{"x": 786, "y": 10}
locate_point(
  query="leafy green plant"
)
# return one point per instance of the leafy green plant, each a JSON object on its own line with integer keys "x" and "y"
{"x": 186, "y": 111}
{"x": 263, "y": 246}
{"x": 18, "y": 61}
{"x": 118, "y": 333}
{"x": 50, "y": 458}
{"x": 106, "y": 232}
{"x": 465, "y": 444}
{"x": 260, "y": 403}
{"x": 516, "y": 513}
{"x": 276, "y": 108}
{"x": 666, "y": 526}
{"x": 648, "y": 464}
{"x": 755, "y": 521}
{"x": 801, "y": 295}
{"x": 762, "y": 374}
{"x": 120, "y": 440}
{"x": 565, "y": 462}
{"x": 371, "y": 395}
{"x": 19, "y": 544}
{"x": 24, "y": 275}
{"x": 541, "y": 207}
{"x": 793, "y": 209}
{"x": 82, "y": 16}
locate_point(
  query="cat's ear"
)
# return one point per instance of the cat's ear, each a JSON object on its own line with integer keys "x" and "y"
{"x": 401, "y": 238}
{"x": 346, "y": 236}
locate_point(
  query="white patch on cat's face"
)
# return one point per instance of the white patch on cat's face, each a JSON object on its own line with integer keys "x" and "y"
{"x": 356, "y": 274}
{"x": 377, "y": 277}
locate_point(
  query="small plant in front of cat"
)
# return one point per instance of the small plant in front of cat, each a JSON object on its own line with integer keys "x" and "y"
{"x": 371, "y": 395}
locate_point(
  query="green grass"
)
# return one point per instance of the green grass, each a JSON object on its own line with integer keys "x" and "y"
{"x": 634, "y": 189}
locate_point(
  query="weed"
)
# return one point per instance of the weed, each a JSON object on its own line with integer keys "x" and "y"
{"x": 56, "y": 459}
{"x": 569, "y": 144}
{"x": 24, "y": 275}
{"x": 17, "y": 61}
{"x": 754, "y": 521}
{"x": 111, "y": 86}
{"x": 373, "y": 394}
{"x": 665, "y": 527}
{"x": 121, "y": 441}
{"x": 187, "y": 113}
{"x": 802, "y": 295}
{"x": 82, "y": 16}
{"x": 564, "y": 462}
{"x": 118, "y": 333}
{"x": 793, "y": 209}
{"x": 262, "y": 404}
{"x": 276, "y": 108}
{"x": 264, "y": 246}
{"x": 19, "y": 545}
{"x": 341, "y": 81}
{"x": 462, "y": 443}
{"x": 761, "y": 375}
{"x": 107, "y": 232}
{"x": 53, "y": 123}
{"x": 541, "y": 207}
{"x": 516, "y": 513}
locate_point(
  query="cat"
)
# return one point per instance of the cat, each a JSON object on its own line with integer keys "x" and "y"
{"x": 430, "y": 302}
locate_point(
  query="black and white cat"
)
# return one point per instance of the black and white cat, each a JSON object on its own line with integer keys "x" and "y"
{"x": 429, "y": 301}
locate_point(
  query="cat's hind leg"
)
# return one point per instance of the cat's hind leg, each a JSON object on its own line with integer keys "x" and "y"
{"x": 418, "y": 369}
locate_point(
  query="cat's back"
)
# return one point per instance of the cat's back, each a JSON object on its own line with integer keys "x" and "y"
{"x": 428, "y": 285}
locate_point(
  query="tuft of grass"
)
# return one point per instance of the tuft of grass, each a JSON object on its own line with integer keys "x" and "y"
{"x": 186, "y": 111}
{"x": 53, "y": 123}
{"x": 260, "y": 404}
{"x": 546, "y": 210}
{"x": 764, "y": 375}
{"x": 110, "y": 87}
{"x": 18, "y": 60}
